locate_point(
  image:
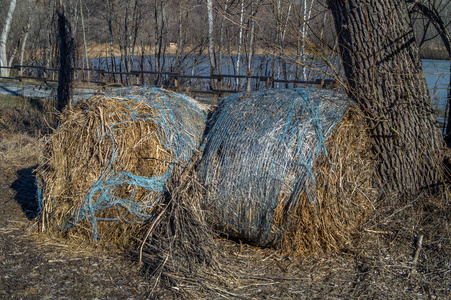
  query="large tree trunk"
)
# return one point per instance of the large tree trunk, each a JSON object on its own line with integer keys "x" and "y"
{"x": 384, "y": 72}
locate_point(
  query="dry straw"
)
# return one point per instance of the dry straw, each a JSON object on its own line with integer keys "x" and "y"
{"x": 344, "y": 193}
{"x": 106, "y": 165}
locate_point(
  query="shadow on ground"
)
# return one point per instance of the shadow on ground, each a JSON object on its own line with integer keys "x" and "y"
{"x": 26, "y": 192}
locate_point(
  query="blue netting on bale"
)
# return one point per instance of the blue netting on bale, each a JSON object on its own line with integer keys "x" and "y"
{"x": 259, "y": 151}
{"x": 113, "y": 153}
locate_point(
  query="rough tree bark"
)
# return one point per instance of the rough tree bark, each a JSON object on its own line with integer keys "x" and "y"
{"x": 382, "y": 65}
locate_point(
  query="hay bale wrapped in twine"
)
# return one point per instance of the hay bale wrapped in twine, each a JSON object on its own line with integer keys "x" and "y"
{"x": 287, "y": 167}
{"x": 105, "y": 166}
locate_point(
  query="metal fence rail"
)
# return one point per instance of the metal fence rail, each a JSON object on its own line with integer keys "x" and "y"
{"x": 218, "y": 84}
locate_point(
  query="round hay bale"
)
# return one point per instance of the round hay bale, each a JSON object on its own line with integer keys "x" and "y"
{"x": 105, "y": 166}
{"x": 287, "y": 167}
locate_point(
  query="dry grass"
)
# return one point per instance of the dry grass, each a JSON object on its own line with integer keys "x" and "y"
{"x": 104, "y": 50}
{"x": 344, "y": 193}
{"x": 95, "y": 138}
{"x": 31, "y": 116}
{"x": 18, "y": 149}
{"x": 22, "y": 122}
{"x": 384, "y": 259}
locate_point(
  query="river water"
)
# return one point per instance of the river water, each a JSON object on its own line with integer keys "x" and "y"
{"x": 437, "y": 74}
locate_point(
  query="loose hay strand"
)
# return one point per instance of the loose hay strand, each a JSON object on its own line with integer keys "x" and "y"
{"x": 179, "y": 246}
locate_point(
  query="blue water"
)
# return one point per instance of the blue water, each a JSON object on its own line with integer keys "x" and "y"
{"x": 436, "y": 72}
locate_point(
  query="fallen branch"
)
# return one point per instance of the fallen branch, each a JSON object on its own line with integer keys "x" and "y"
{"x": 417, "y": 253}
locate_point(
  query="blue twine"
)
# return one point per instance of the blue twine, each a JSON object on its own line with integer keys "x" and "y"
{"x": 39, "y": 196}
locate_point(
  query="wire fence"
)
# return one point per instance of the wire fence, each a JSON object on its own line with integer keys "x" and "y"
{"x": 218, "y": 84}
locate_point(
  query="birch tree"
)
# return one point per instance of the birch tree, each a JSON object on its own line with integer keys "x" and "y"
{"x": 211, "y": 41}
{"x": 4, "y": 38}
{"x": 240, "y": 43}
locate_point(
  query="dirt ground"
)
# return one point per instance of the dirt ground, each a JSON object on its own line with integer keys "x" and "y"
{"x": 381, "y": 263}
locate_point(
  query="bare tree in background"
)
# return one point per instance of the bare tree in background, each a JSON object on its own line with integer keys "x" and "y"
{"x": 224, "y": 9}
{"x": 26, "y": 34}
{"x": 240, "y": 44}
{"x": 211, "y": 40}
{"x": 109, "y": 20}
{"x": 85, "y": 45}
{"x": 4, "y": 38}
{"x": 160, "y": 16}
{"x": 67, "y": 60}
{"x": 254, "y": 6}
{"x": 183, "y": 13}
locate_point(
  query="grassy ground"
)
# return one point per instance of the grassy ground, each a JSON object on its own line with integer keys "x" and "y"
{"x": 387, "y": 260}
{"x": 32, "y": 116}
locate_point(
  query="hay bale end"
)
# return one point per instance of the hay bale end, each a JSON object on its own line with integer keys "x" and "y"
{"x": 105, "y": 166}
